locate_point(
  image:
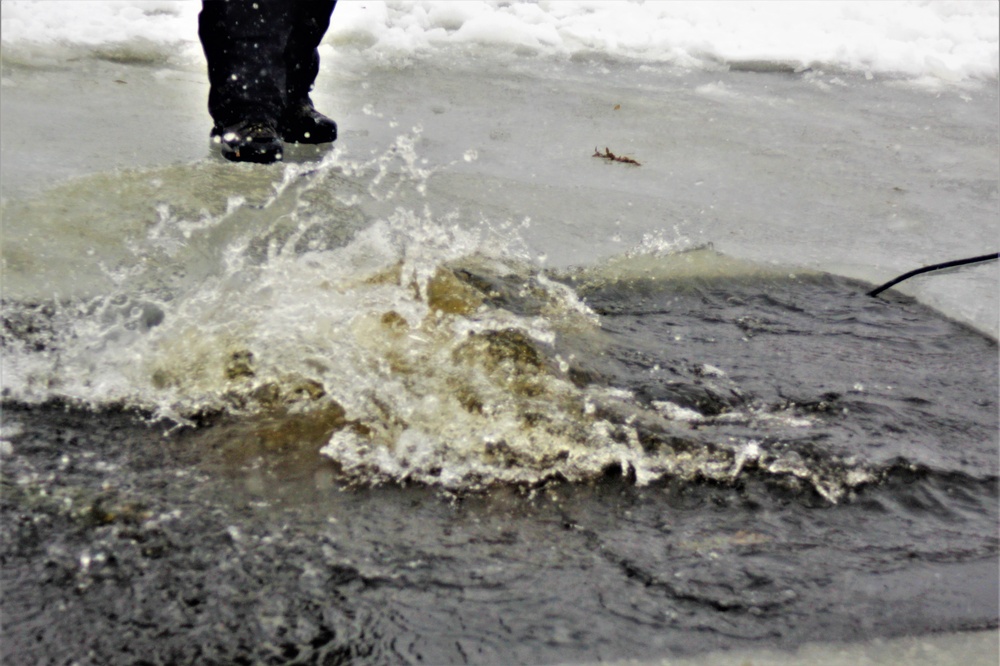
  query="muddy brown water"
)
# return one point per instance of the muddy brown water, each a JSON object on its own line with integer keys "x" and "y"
{"x": 235, "y": 543}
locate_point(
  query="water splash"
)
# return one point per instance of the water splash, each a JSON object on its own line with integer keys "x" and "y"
{"x": 331, "y": 304}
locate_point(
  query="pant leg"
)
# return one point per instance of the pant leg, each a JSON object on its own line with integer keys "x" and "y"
{"x": 245, "y": 42}
{"x": 310, "y": 22}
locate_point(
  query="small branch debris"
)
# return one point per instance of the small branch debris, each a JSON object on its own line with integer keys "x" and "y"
{"x": 611, "y": 157}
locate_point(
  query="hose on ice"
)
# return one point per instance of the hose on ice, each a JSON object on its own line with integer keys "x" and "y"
{"x": 935, "y": 267}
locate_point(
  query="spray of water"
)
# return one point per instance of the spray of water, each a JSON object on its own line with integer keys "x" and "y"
{"x": 330, "y": 299}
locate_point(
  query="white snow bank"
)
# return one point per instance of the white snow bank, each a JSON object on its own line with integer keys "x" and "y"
{"x": 954, "y": 40}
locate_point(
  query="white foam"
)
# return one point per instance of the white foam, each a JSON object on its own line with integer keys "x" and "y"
{"x": 948, "y": 41}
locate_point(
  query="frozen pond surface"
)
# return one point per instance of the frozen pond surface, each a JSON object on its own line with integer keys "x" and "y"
{"x": 818, "y": 465}
{"x": 827, "y": 170}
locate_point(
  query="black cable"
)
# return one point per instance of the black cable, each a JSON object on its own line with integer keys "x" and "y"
{"x": 935, "y": 267}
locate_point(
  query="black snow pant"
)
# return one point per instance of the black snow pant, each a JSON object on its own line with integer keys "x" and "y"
{"x": 261, "y": 55}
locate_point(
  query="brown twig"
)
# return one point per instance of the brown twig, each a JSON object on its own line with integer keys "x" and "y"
{"x": 611, "y": 157}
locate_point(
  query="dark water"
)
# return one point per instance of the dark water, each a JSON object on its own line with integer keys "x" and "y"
{"x": 835, "y": 479}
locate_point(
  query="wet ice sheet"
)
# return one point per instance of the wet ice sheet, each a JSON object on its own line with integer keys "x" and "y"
{"x": 864, "y": 178}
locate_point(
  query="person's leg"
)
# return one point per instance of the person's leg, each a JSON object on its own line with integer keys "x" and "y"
{"x": 244, "y": 43}
{"x": 301, "y": 122}
{"x": 309, "y": 23}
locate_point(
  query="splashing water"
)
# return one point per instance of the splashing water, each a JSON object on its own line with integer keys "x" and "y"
{"x": 330, "y": 302}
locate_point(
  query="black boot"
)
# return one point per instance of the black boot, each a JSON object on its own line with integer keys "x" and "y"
{"x": 249, "y": 141}
{"x": 301, "y": 123}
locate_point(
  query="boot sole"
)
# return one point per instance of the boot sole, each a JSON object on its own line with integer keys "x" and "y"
{"x": 258, "y": 155}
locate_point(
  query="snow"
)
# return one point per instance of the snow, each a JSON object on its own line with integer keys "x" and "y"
{"x": 951, "y": 41}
